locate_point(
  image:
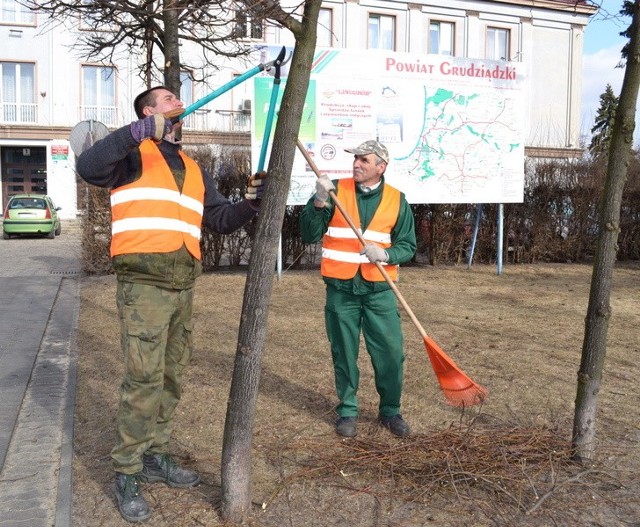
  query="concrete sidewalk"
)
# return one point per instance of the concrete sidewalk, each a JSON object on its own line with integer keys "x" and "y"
{"x": 39, "y": 304}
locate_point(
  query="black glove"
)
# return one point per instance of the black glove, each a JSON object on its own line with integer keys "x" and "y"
{"x": 155, "y": 126}
{"x": 255, "y": 186}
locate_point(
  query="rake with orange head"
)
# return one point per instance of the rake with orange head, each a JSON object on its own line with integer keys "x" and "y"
{"x": 458, "y": 389}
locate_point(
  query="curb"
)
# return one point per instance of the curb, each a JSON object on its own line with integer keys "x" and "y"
{"x": 64, "y": 500}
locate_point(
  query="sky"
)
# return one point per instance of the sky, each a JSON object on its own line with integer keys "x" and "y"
{"x": 602, "y": 46}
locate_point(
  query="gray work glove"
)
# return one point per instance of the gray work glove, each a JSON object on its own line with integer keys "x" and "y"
{"x": 375, "y": 253}
{"x": 255, "y": 186}
{"x": 323, "y": 186}
{"x": 154, "y": 126}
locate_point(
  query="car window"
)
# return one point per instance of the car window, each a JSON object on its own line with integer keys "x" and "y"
{"x": 35, "y": 204}
{"x": 28, "y": 203}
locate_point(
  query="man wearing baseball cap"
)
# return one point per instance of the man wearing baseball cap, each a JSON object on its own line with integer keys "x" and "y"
{"x": 358, "y": 299}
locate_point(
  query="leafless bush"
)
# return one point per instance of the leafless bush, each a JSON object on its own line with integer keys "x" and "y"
{"x": 96, "y": 230}
{"x": 230, "y": 169}
{"x": 557, "y": 221}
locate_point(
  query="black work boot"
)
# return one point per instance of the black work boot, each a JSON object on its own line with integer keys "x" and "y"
{"x": 346, "y": 426}
{"x": 162, "y": 467}
{"x": 131, "y": 503}
{"x": 396, "y": 425}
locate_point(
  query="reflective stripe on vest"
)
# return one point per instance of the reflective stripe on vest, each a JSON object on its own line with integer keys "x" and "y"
{"x": 341, "y": 248}
{"x": 151, "y": 215}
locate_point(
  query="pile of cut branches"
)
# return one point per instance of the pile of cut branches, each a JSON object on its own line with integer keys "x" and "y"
{"x": 506, "y": 466}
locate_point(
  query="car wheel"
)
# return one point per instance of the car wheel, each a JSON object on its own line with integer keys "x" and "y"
{"x": 51, "y": 234}
{"x": 5, "y": 236}
{"x": 59, "y": 229}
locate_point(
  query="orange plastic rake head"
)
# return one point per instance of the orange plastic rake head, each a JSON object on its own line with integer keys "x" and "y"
{"x": 458, "y": 389}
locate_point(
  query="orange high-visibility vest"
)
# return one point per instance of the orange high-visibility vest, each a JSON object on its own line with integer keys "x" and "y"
{"x": 151, "y": 215}
{"x": 341, "y": 248}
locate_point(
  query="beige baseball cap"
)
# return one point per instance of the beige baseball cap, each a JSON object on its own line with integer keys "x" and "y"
{"x": 370, "y": 147}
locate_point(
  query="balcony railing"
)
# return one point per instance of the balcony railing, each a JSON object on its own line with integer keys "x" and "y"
{"x": 232, "y": 121}
{"x": 218, "y": 121}
{"x": 196, "y": 121}
{"x": 107, "y": 115}
{"x": 200, "y": 120}
{"x": 11, "y": 112}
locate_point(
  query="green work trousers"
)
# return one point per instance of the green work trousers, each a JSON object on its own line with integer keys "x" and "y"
{"x": 377, "y": 316}
{"x": 156, "y": 339}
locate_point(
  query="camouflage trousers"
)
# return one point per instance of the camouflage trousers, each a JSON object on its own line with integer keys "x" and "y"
{"x": 156, "y": 340}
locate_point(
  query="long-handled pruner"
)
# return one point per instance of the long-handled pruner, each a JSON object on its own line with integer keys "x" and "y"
{"x": 277, "y": 62}
{"x": 270, "y": 114}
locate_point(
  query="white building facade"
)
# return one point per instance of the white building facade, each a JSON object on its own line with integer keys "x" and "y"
{"x": 47, "y": 88}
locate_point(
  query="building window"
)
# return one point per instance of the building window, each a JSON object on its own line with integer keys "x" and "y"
{"x": 186, "y": 95}
{"x": 14, "y": 12}
{"x": 186, "y": 88}
{"x": 441, "y": 38}
{"x": 99, "y": 94}
{"x": 248, "y": 27}
{"x": 18, "y": 92}
{"x": 382, "y": 32}
{"x": 325, "y": 28}
{"x": 497, "y": 43}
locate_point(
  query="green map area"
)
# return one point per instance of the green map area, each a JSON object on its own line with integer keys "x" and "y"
{"x": 466, "y": 145}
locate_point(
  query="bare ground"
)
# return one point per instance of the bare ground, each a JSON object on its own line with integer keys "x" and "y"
{"x": 505, "y": 463}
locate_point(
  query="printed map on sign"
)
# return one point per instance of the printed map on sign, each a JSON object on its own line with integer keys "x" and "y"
{"x": 454, "y": 127}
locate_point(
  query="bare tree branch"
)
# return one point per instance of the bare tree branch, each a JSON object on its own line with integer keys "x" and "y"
{"x": 152, "y": 29}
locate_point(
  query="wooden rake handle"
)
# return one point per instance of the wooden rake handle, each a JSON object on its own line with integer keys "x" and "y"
{"x": 355, "y": 229}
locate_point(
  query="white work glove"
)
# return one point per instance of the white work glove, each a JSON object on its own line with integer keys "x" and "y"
{"x": 323, "y": 186}
{"x": 375, "y": 253}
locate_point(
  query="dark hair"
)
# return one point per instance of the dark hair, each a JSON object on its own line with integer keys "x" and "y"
{"x": 146, "y": 98}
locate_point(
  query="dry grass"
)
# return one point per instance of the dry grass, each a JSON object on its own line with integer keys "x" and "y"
{"x": 503, "y": 464}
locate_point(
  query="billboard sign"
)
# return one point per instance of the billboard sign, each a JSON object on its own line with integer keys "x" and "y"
{"x": 454, "y": 127}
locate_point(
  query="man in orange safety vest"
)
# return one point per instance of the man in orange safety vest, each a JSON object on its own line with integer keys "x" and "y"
{"x": 160, "y": 198}
{"x": 358, "y": 299}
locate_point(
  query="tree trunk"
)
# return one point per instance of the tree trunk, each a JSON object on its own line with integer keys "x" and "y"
{"x": 171, "y": 43}
{"x": 599, "y": 308}
{"x": 238, "y": 431}
{"x": 148, "y": 38}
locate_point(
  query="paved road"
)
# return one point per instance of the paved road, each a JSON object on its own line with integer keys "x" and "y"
{"x": 39, "y": 303}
